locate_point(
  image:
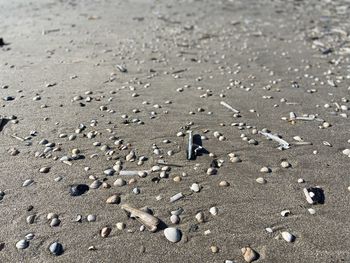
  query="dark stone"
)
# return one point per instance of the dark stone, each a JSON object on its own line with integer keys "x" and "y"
{"x": 78, "y": 189}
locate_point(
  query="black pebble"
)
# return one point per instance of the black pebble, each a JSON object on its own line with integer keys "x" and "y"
{"x": 78, "y": 189}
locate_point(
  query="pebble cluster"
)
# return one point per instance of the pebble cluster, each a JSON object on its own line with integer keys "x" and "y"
{"x": 175, "y": 143}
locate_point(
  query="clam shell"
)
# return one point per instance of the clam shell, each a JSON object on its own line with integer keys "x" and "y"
{"x": 22, "y": 244}
{"x": 56, "y": 249}
{"x": 287, "y": 236}
{"x": 106, "y": 231}
{"x": 172, "y": 234}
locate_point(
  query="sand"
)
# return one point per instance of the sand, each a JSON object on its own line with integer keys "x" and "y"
{"x": 258, "y": 43}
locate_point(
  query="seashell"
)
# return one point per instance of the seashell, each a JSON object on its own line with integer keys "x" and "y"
{"x": 27, "y": 182}
{"x": 120, "y": 226}
{"x": 91, "y": 218}
{"x": 224, "y": 183}
{"x": 172, "y": 234}
{"x": 211, "y": 171}
{"x": 176, "y": 197}
{"x": 105, "y": 232}
{"x": 150, "y": 221}
{"x": 121, "y": 68}
{"x": 285, "y": 213}
{"x": 95, "y": 184}
{"x": 78, "y": 218}
{"x": 55, "y": 222}
{"x": 200, "y": 217}
{"x": 214, "y": 210}
{"x": 44, "y": 170}
{"x": 56, "y": 249}
{"x": 265, "y": 170}
{"x": 175, "y": 219}
{"x": 22, "y": 244}
{"x": 177, "y": 212}
{"x": 261, "y": 180}
{"x": 249, "y": 254}
{"x": 285, "y": 164}
{"x": 29, "y": 236}
{"x": 131, "y": 156}
{"x": 30, "y": 219}
{"x": 78, "y": 189}
{"x": 109, "y": 172}
{"x": 119, "y": 182}
{"x": 51, "y": 216}
{"x": 114, "y": 199}
{"x": 287, "y": 236}
{"x": 195, "y": 187}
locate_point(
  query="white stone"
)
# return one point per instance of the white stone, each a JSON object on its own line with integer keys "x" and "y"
{"x": 172, "y": 234}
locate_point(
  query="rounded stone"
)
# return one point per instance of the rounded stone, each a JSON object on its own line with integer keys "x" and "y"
{"x": 173, "y": 234}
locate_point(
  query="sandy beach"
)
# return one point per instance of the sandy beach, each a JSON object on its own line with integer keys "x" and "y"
{"x": 91, "y": 89}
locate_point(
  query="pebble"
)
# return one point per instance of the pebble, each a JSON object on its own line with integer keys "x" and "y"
{"x": 265, "y": 170}
{"x": 55, "y": 222}
{"x": 214, "y": 249}
{"x": 114, "y": 199}
{"x": 249, "y": 254}
{"x": 91, "y": 218}
{"x": 211, "y": 171}
{"x": 200, "y": 217}
{"x": 78, "y": 189}
{"x": 56, "y": 249}
{"x": 22, "y": 244}
{"x": 195, "y": 187}
{"x": 95, "y": 184}
{"x": 44, "y": 170}
{"x": 119, "y": 182}
{"x": 175, "y": 219}
{"x": 172, "y": 234}
{"x": 27, "y": 182}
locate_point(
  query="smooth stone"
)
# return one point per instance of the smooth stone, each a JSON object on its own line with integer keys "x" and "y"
{"x": 175, "y": 219}
{"x": 224, "y": 184}
{"x": 265, "y": 170}
{"x": 119, "y": 182}
{"x": 56, "y": 249}
{"x": 200, "y": 217}
{"x": 211, "y": 171}
{"x": 195, "y": 187}
{"x": 120, "y": 226}
{"x": 78, "y": 189}
{"x": 109, "y": 172}
{"x": 249, "y": 254}
{"x": 172, "y": 234}
{"x": 51, "y": 216}
{"x": 114, "y": 199}
{"x": 287, "y": 236}
{"x": 30, "y": 219}
{"x": 95, "y": 184}
{"x": 91, "y": 218}
{"x": 22, "y": 244}
{"x": 29, "y": 236}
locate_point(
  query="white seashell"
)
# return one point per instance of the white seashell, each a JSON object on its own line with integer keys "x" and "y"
{"x": 91, "y": 218}
{"x": 217, "y": 134}
{"x": 55, "y": 222}
{"x": 260, "y": 180}
{"x": 214, "y": 210}
{"x": 312, "y": 211}
{"x": 51, "y": 216}
{"x": 211, "y": 171}
{"x": 27, "y": 182}
{"x": 172, "y": 234}
{"x": 29, "y": 236}
{"x": 30, "y": 219}
{"x": 269, "y": 229}
{"x": 175, "y": 219}
{"x": 307, "y": 196}
{"x": 346, "y": 152}
{"x": 285, "y": 213}
{"x": 287, "y": 236}
{"x": 285, "y": 164}
{"x": 195, "y": 187}
{"x": 120, "y": 226}
{"x": 22, "y": 244}
{"x": 265, "y": 170}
